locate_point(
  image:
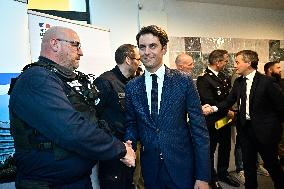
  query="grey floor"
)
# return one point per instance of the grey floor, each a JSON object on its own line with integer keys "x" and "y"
{"x": 263, "y": 182}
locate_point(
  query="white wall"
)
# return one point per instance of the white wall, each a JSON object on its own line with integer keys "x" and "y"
{"x": 15, "y": 49}
{"x": 120, "y": 16}
{"x": 212, "y": 20}
{"x": 185, "y": 19}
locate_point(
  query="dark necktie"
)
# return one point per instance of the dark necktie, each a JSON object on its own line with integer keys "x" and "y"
{"x": 154, "y": 97}
{"x": 243, "y": 93}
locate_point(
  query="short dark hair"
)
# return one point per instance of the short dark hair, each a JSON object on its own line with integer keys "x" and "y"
{"x": 268, "y": 65}
{"x": 123, "y": 51}
{"x": 249, "y": 56}
{"x": 216, "y": 55}
{"x": 156, "y": 31}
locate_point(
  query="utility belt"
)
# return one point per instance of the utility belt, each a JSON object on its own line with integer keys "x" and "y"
{"x": 26, "y": 139}
{"x": 43, "y": 146}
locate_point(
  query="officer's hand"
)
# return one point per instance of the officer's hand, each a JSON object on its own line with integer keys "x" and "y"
{"x": 207, "y": 109}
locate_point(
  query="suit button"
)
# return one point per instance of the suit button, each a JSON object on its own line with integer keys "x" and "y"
{"x": 157, "y": 130}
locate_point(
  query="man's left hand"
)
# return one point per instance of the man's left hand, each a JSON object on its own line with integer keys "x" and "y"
{"x": 199, "y": 184}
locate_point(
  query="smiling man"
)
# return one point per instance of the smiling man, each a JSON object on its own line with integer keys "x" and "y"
{"x": 174, "y": 154}
{"x": 260, "y": 112}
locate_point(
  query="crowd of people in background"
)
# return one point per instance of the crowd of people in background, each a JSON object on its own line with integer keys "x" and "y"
{"x": 155, "y": 130}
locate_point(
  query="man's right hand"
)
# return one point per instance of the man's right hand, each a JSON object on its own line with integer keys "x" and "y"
{"x": 129, "y": 158}
{"x": 207, "y": 109}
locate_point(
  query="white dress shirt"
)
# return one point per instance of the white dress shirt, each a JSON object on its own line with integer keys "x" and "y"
{"x": 215, "y": 72}
{"x": 148, "y": 82}
{"x": 249, "y": 80}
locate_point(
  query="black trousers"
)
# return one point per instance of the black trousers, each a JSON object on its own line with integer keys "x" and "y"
{"x": 269, "y": 154}
{"x": 223, "y": 137}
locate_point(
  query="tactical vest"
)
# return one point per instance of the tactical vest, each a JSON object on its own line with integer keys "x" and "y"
{"x": 117, "y": 86}
{"x": 116, "y": 122}
{"x": 83, "y": 100}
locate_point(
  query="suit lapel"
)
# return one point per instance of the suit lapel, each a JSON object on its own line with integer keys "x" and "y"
{"x": 143, "y": 101}
{"x": 253, "y": 87}
{"x": 166, "y": 93}
{"x": 238, "y": 81}
{"x": 143, "y": 97}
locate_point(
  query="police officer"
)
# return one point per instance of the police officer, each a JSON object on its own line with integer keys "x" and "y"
{"x": 112, "y": 173}
{"x": 213, "y": 87}
{"x": 56, "y": 146}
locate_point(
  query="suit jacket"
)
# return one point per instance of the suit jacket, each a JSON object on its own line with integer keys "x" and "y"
{"x": 212, "y": 90}
{"x": 185, "y": 147}
{"x": 266, "y": 107}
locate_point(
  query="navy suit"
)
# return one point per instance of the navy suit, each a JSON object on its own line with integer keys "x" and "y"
{"x": 185, "y": 147}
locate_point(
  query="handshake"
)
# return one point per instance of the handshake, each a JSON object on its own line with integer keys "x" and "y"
{"x": 129, "y": 158}
{"x": 207, "y": 109}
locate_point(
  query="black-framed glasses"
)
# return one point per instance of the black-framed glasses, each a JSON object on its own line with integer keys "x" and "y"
{"x": 73, "y": 43}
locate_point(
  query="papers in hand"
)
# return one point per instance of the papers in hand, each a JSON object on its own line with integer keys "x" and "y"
{"x": 222, "y": 122}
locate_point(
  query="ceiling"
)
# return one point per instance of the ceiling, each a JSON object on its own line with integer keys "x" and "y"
{"x": 267, "y": 4}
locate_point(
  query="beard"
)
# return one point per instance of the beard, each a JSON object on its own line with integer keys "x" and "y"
{"x": 276, "y": 76}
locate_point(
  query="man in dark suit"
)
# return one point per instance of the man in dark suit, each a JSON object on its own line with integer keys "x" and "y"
{"x": 273, "y": 69}
{"x": 174, "y": 153}
{"x": 213, "y": 87}
{"x": 261, "y": 108}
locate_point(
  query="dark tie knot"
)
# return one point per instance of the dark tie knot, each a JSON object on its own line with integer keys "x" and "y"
{"x": 154, "y": 77}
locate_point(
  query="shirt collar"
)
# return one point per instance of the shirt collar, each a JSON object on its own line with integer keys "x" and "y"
{"x": 160, "y": 72}
{"x": 215, "y": 72}
{"x": 251, "y": 75}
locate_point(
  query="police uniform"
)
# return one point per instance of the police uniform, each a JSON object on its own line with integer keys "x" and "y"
{"x": 212, "y": 90}
{"x": 56, "y": 146}
{"x": 111, "y": 108}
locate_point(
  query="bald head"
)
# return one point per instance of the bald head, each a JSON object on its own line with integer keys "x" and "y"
{"x": 184, "y": 62}
{"x": 56, "y": 32}
{"x": 62, "y": 45}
